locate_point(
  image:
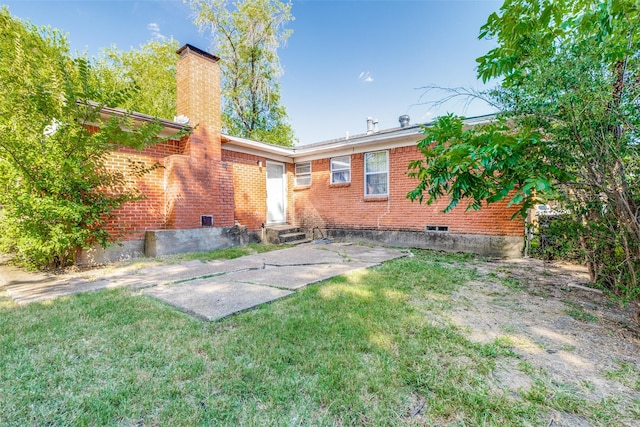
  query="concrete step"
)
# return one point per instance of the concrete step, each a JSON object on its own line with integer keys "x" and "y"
{"x": 282, "y": 229}
{"x": 299, "y": 242}
{"x": 291, "y": 237}
{"x": 283, "y": 233}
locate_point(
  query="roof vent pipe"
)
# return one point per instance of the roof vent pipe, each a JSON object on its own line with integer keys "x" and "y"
{"x": 375, "y": 126}
{"x": 369, "y": 125}
{"x": 404, "y": 120}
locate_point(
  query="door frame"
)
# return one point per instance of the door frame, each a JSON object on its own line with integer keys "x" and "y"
{"x": 285, "y": 198}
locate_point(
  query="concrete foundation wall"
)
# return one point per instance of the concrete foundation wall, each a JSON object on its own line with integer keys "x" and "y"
{"x": 485, "y": 245}
{"x": 118, "y": 252}
{"x": 171, "y": 242}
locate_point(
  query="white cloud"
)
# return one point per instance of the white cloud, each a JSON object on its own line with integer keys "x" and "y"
{"x": 155, "y": 30}
{"x": 365, "y": 77}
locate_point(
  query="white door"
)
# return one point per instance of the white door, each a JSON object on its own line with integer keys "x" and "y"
{"x": 276, "y": 194}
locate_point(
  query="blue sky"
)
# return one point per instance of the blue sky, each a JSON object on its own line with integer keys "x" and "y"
{"x": 346, "y": 60}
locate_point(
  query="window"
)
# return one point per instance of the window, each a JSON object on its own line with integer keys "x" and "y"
{"x": 303, "y": 173}
{"x": 340, "y": 169}
{"x": 376, "y": 174}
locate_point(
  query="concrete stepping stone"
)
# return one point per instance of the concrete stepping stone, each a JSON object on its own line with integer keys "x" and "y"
{"x": 294, "y": 277}
{"x": 212, "y": 300}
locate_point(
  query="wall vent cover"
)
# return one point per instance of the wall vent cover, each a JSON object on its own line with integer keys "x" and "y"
{"x": 441, "y": 228}
{"x": 206, "y": 220}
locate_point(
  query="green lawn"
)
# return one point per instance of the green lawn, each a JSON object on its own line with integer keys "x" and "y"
{"x": 372, "y": 348}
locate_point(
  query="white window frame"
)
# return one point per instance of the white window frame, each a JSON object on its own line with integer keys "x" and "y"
{"x": 340, "y": 169}
{"x": 300, "y": 175}
{"x": 367, "y": 173}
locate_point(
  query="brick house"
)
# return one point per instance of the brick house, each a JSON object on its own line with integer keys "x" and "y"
{"x": 213, "y": 188}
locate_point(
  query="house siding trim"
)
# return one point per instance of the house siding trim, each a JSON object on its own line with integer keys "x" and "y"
{"x": 258, "y": 152}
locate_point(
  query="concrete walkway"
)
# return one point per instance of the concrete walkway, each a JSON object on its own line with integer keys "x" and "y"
{"x": 210, "y": 290}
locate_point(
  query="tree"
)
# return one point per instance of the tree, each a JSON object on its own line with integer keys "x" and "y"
{"x": 569, "y": 94}
{"x": 151, "y": 69}
{"x": 247, "y": 40}
{"x": 56, "y": 192}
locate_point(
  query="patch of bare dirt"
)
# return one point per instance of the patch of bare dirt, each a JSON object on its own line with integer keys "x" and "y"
{"x": 569, "y": 338}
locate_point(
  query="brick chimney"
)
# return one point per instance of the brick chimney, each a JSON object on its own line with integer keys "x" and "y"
{"x": 198, "y": 98}
{"x": 197, "y": 182}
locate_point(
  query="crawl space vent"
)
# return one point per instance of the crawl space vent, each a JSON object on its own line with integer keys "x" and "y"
{"x": 440, "y": 228}
{"x": 206, "y": 220}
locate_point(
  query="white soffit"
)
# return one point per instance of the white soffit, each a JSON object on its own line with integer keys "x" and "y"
{"x": 355, "y": 147}
{"x": 258, "y": 153}
{"x": 383, "y": 140}
{"x": 375, "y": 142}
{"x": 256, "y": 148}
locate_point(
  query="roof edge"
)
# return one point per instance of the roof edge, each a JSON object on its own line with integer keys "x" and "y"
{"x": 170, "y": 127}
{"x": 393, "y": 137}
{"x": 144, "y": 117}
{"x": 188, "y": 48}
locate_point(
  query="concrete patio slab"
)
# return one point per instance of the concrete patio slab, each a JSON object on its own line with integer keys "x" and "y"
{"x": 212, "y": 299}
{"x": 295, "y": 277}
{"x": 25, "y": 287}
{"x": 212, "y": 289}
{"x": 372, "y": 254}
{"x": 304, "y": 255}
{"x": 185, "y": 271}
{"x": 30, "y": 291}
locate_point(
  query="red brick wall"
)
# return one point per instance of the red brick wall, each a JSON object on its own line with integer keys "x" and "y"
{"x": 132, "y": 219}
{"x": 199, "y": 182}
{"x": 200, "y": 178}
{"x": 198, "y": 98}
{"x": 345, "y": 206}
{"x": 195, "y": 188}
{"x": 291, "y": 211}
{"x": 194, "y": 180}
{"x": 250, "y": 189}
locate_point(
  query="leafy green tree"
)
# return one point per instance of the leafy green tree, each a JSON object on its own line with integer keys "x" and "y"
{"x": 56, "y": 191}
{"x": 569, "y": 73}
{"x": 151, "y": 69}
{"x": 247, "y": 39}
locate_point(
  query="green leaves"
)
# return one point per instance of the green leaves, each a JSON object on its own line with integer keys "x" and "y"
{"x": 56, "y": 192}
{"x": 141, "y": 80}
{"x": 247, "y": 37}
{"x": 484, "y": 164}
{"x": 569, "y": 73}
